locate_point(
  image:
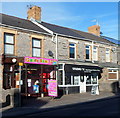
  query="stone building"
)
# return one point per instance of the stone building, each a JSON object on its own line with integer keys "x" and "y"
{"x": 84, "y": 59}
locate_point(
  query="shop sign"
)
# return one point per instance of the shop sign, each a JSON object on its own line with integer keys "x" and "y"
{"x": 52, "y": 88}
{"x": 94, "y": 90}
{"x": 36, "y": 60}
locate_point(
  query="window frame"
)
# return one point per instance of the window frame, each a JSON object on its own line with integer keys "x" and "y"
{"x": 63, "y": 74}
{"x": 96, "y": 53}
{"x": 106, "y": 54}
{"x": 36, "y": 47}
{"x": 117, "y": 73}
{"x": 10, "y": 44}
{"x": 74, "y": 49}
{"x": 89, "y": 52}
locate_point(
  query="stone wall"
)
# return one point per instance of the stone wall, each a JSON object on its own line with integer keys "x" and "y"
{"x": 49, "y": 45}
{"x": 63, "y": 48}
{"x": 23, "y": 44}
{"x": 101, "y": 54}
{"x": 107, "y": 85}
{"x": 1, "y": 66}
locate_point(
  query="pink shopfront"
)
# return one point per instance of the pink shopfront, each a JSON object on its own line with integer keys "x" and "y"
{"x": 39, "y": 77}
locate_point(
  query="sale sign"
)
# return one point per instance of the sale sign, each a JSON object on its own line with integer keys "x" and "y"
{"x": 52, "y": 88}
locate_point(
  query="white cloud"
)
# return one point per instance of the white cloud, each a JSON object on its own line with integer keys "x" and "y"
{"x": 106, "y": 15}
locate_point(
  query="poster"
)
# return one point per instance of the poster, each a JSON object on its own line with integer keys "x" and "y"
{"x": 94, "y": 90}
{"x": 36, "y": 88}
{"x": 52, "y": 88}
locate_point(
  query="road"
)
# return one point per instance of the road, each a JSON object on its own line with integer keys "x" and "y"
{"x": 99, "y": 108}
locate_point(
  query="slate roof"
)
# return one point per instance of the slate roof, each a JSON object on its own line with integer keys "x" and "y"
{"x": 61, "y": 30}
{"x": 74, "y": 33}
{"x": 93, "y": 37}
{"x": 26, "y": 24}
{"x": 19, "y": 22}
{"x": 112, "y": 40}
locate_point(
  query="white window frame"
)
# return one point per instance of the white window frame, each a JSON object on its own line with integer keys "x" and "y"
{"x": 107, "y": 52}
{"x": 74, "y": 49}
{"x": 9, "y": 44}
{"x": 113, "y": 72}
{"x": 33, "y": 47}
{"x": 95, "y": 50}
{"x": 89, "y": 52}
{"x": 63, "y": 74}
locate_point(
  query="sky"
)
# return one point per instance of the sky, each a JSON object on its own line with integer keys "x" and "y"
{"x": 76, "y": 15}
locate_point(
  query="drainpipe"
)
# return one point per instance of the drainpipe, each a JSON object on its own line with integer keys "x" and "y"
{"x": 92, "y": 52}
{"x": 56, "y": 39}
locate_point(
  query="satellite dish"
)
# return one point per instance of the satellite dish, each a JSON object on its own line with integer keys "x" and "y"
{"x": 50, "y": 53}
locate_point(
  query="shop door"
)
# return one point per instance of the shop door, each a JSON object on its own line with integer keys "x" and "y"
{"x": 82, "y": 84}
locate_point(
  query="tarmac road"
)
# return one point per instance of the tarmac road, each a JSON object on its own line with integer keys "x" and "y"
{"x": 98, "y": 108}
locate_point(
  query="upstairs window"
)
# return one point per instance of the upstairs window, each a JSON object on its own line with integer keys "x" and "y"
{"x": 8, "y": 44}
{"x": 95, "y": 54}
{"x": 36, "y": 47}
{"x": 72, "y": 50}
{"x": 87, "y": 52}
{"x": 107, "y": 55}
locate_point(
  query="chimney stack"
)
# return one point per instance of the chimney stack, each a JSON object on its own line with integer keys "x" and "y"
{"x": 95, "y": 29}
{"x": 34, "y": 12}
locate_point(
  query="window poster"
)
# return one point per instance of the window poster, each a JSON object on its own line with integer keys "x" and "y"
{"x": 52, "y": 88}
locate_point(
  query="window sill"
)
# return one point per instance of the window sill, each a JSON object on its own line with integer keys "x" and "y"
{"x": 113, "y": 79}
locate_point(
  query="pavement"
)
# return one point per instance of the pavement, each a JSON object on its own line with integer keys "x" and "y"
{"x": 34, "y": 105}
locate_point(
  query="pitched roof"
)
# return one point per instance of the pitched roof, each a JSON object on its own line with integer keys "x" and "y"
{"x": 26, "y": 24}
{"x": 93, "y": 37}
{"x": 61, "y": 30}
{"x": 19, "y": 22}
{"x": 74, "y": 33}
{"x": 112, "y": 40}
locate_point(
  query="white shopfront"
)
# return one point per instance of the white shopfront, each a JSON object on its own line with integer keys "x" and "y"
{"x": 77, "y": 78}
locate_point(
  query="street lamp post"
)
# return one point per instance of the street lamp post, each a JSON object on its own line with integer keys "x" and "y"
{"x": 20, "y": 65}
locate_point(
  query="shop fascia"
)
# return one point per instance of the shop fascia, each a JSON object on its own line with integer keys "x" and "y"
{"x": 43, "y": 61}
{"x": 84, "y": 69}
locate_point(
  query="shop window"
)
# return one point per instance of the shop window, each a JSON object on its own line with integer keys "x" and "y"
{"x": 60, "y": 74}
{"x": 76, "y": 80}
{"x": 113, "y": 74}
{"x": 71, "y": 79}
{"x": 107, "y": 55}
{"x": 87, "y": 52}
{"x": 9, "y": 44}
{"x": 88, "y": 81}
{"x": 95, "y": 54}
{"x": 60, "y": 77}
{"x": 36, "y": 47}
{"x": 72, "y": 50}
{"x": 92, "y": 79}
{"x": 8, "y": 77}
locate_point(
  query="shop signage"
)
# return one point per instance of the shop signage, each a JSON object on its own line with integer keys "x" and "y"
{"x": 94, "y": 90}
{"x": 36, "y": 60}
{"x": 52, "y": 88}
{"x": 84, "y": 69}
